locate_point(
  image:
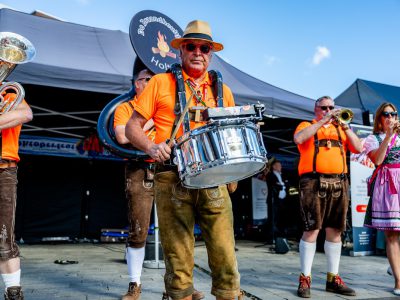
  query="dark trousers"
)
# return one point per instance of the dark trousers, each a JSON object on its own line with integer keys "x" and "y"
{"x": 139, "y": 193}
{"x": 8, "y": 202}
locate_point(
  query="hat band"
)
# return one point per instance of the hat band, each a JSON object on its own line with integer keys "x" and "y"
{"x": 197, "y": 36}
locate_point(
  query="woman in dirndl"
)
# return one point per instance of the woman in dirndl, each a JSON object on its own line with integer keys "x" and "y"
{"x": 383, "y": 213}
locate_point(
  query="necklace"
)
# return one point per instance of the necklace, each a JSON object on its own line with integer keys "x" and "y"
{"x": 197, "y": 93}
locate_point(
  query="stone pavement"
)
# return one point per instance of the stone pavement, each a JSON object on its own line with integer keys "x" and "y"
{"x": 101, "y": 273}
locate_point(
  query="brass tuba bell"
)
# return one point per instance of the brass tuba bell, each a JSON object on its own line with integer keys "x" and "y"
{"x": 14, "y": 50}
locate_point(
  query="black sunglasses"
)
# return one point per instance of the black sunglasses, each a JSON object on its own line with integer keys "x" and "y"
{"x": 323, "y": 107}
{"x": 386, "y": 114}
{"x": 144, "y": 78}
{"x": 205, "y": 49}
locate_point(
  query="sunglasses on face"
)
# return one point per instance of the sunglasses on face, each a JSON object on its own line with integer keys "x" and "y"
{"x": 144, "y": 78}
{"x": 323, "y": 107}
{"x": 204, "y": 48}
{"x": 386, "y": 114}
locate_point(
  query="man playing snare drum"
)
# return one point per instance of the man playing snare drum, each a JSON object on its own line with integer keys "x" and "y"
{"x": 176, "y": 205}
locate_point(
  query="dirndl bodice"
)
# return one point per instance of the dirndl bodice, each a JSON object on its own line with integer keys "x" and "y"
{"x": 383, "y": 211}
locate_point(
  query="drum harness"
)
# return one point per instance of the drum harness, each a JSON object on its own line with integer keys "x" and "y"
{"x": 180, "y": 99}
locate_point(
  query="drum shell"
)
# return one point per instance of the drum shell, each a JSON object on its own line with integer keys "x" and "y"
{"x": 220, "y": 153}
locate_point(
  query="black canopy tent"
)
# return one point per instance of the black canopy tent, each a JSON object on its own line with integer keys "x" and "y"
{"x": 77, "y": 71}
{"x": 368, "y": 95}
{"x": 78, "y": 57}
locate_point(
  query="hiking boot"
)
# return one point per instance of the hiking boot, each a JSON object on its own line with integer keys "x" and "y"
{"x": 304, "y": 289}
{"x": 197, "y": 295}
{"x": 134, "y": 291}
{"x": 14, "y": 293}
{"x": 336, "y": 285}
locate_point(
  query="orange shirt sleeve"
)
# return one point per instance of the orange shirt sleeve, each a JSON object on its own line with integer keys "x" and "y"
{"x": 122, "y": 114}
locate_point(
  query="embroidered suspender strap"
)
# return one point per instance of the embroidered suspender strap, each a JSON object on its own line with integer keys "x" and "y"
{"x": 180, "y": 100}
{"x": 341, "y": 147}
{"x": 217, "y": 87}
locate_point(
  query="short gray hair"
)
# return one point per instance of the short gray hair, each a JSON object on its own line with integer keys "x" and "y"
{"x": 323, "y": 98}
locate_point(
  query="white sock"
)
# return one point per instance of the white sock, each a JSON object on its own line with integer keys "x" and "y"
{"x": 12, "y": 279}
{"x": 134, "y": 259}
{"x": 332, "y": 252}
{"x": 307, "y": 252}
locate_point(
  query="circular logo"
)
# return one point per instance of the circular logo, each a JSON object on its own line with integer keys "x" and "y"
{"x": 151, "y": 33}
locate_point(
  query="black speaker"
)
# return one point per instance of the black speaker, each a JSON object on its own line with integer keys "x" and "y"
{"x": 281, "y": 246}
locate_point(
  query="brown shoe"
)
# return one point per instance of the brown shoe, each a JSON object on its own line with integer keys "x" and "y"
{"x": 241, "y": 295}
{"x": 197, "y": 295}
{"x": 134, "y": 291}
{"x": 14, "y": 293}
{"x": 304, "y": 289}
{"x": 338, "y": 286}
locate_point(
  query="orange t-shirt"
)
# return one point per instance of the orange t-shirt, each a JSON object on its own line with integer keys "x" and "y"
{"x": 329, "y": 160}
{"x": 10, "y": 137}
{"x": 124, "y": 111}
{"x": 158, "y": 101}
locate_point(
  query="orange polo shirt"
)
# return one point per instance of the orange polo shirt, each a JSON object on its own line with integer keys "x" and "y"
{"x": 329, "y": 160}
{"x": 10, "y": 137}
{"x": 124, "y": 111}
{"x": 157, "y": 102}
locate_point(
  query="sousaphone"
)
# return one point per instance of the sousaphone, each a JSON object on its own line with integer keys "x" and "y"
{"x": 150, "y": 33}
{"x": 14, "y": 50}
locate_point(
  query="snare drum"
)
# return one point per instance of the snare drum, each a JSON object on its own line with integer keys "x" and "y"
{"x": 219, "y": 153}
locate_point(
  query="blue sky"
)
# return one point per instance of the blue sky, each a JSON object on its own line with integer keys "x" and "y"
{"x": 309, "y": 47}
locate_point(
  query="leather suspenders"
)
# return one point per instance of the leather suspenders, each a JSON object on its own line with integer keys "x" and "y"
{"x": 318, "y": 143}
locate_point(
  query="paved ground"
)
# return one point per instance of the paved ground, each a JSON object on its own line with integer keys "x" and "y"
{"x": 101, "y": 273}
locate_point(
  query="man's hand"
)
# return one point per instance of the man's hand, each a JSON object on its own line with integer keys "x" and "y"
{"x": 331, "y": 116}
{"x": 160, "y": 152}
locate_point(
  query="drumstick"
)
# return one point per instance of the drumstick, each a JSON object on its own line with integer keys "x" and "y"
{"x": 170, "y": 143}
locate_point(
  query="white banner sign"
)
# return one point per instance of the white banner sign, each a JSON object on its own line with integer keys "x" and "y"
{"x": 361, "y": 168}
{"x": 259, "y": 191}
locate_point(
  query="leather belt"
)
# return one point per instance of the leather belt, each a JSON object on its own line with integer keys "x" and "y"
{"x": 319, "y": 175}
{"x": 8, "y": 164}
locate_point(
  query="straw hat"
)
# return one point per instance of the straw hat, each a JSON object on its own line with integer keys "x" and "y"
{"x": 197, "y": 30}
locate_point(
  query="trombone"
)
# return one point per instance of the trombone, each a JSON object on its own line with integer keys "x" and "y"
{"x": 14, "y": 50}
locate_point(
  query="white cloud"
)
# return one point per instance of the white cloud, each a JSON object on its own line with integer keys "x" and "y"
{"x": 270, "y": 59}
{"x": 320, "y": 54}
